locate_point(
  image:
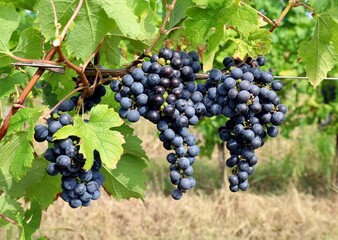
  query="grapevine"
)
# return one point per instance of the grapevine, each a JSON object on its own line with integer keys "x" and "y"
{"x": 111, "y": 67}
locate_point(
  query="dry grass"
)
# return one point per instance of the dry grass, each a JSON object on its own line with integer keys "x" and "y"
{"x": 222, "y": 215}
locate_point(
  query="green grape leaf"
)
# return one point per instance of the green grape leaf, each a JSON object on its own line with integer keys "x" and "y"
{"x": 9, "y": 208}
{"x": 35, "y": 184}
{"x": 45, "y": 190}
{"x": 146, "y": 17}
{"x": 209, "y": 56}
{"x": 258, "y": 43}
{"x": 321, "y": 5}
{"x": 17, "y": 153}
{"x": 179, "y": 12}
{"x": 201, "y": 3}
{"x": 25, "y": 4}
{"x": 24, "y": 119}
{"x": 126, "y": 20}
{"x": 244, "y": 19}
{"x": 112, "y": 52}
{"x": 9, "y": 19}
{"x": 206, "y": 24}
{"x": 30, "y": 44}
{"x": 128, "y": 179}
{"x": 91, "y": 25}
{"x": 8, "y": 83}
{"x": 45, "y": 17}
{"x": 319, "y": 54}
{"x": 30, "y": 222}
{"x": 333, "y": 12}
{"x": 49, "y": 96}
{"x": 201, "y": 20}
{"x": 56, "y": 86}
{"x": 97, "y": 135}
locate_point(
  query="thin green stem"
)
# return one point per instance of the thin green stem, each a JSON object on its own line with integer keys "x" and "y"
{"x": 162, "y": 30}
{"x": 57, "y": 25}
{"x": 93, "y": 54}
{"x": 70, "y": 21}
{"x": 58, "y": 104}
{"x": 291, "y": 4}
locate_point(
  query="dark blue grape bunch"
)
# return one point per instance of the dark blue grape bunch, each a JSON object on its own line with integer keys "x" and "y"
{"x": 163, "y": 90}
{"x": 248, "y": 97}
{"x": 79, "y": 187}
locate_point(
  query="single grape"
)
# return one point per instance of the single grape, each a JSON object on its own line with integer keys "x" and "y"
{"x": 68, "y": 183}
{"x": 277, "y": 118}
{"x": 125, "y": 103}
{"x": 233, "y": 188}
{"x": 50, "y": 155}
{"x": 40, "y": 132}
{"x": 63, "y": 161}
{"x": 65, "y": 119}
{"x": 66, "y": 106}
{"x": 272, "y": 131}
{"x": 54, "y": 126}
{"x": 96, "y": 195}
{"x": 133, "y": 115}
{"x": 75, "y": 203}
{"x": 176, "y": 194}
{"x": 193, "y": 150}
{"x": 65, "y": 143}
{"x": 184, "y": 184}
{"x": 80, "y": 189}
{"x": 86, "y": 197}
{"x": 233, "y": 180}
{"x": 137, "y": 74}
{"x": 86, "y": 176}
{"x": 177, "y": 141}
{"x": 127, "y": 80}
{"x": 236, "y": 73}
{"x": 215, "y": 74}
{"x": 261, "y": 60}
{"x": 244, "y": 185}
{"x": 71, "y": 151}
{"x": 188, "y": 171}
{"x": 183, "y": 163}
{"x": 52, "y": 169}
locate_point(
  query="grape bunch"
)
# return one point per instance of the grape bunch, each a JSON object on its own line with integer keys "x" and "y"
{"x": 163, "y": 90}
{"x": 247, "y": 96}
{"x": 79, "y": 187}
